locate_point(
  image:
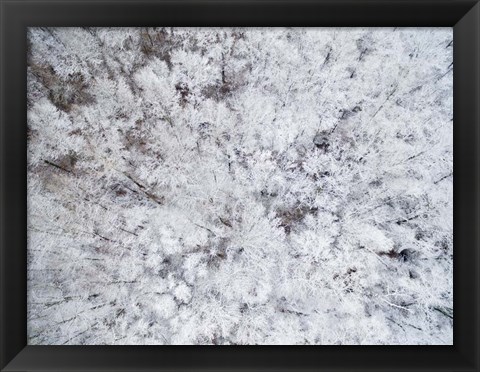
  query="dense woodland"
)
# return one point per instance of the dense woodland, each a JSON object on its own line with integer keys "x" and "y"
{"x": 240, "y": 186}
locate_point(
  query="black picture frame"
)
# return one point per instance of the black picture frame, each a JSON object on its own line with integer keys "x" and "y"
{"x": 16, "y": 16}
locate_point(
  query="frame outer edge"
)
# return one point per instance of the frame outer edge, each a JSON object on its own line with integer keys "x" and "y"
{"x": 3, "y": 160}
{"x": 477, "y": 237}
{"x": 469, "y": 112}
{"x": 13, "y": 337}
{"x": 3, "y": 336}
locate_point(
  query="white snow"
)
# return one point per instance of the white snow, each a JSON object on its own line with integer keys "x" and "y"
{"x": 240, "y": 186}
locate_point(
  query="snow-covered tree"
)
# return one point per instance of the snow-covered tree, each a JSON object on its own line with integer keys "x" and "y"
{"x": 240, "y": 186}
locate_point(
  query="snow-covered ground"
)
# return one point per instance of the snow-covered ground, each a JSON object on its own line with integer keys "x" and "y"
{"x": 240, "y": 186}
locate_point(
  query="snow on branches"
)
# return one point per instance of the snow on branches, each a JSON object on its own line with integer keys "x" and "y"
{"x": 240, "y": 186}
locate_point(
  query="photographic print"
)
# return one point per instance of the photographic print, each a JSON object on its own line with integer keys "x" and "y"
{"x": 240, "y": 186}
